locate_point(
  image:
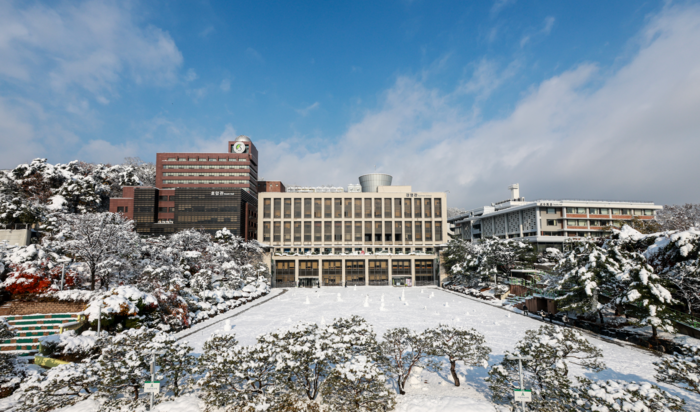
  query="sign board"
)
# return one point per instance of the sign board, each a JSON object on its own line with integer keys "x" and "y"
{"x": 151, "y": 387}
{"x": 238, "y": 147}
{"x": 522, "y": 395}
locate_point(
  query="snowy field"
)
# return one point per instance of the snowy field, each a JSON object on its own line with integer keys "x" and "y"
{"x": 419, "y": 311}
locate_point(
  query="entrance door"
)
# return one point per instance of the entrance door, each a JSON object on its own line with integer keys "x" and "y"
{"x": 308, "y": 282}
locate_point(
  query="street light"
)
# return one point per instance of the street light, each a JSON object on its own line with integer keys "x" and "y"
{"x": 520, "y": 360}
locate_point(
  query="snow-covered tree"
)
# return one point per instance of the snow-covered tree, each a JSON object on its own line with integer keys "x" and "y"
{"x": 679, "y": 217}
{"x": 145, "y": 172}
{"x": 552, "y": 349}
{"x": 403, "y": 351}
{"x": 237, "y": 377}
{"x": 12, "y": 369}
{"x": 682, "y": 369}
{"x": 176, "y": 364}
{"x": 357, "y": 385}
{"x": 58, "y": 387}
{"x": 618, "y": 395}
{"x": 458, "y": 345}
{"x": 455, "y": 211}
{"x": 354, "y": 336}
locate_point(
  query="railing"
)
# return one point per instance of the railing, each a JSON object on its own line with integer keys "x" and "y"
{"x": 355, "y": 283}
{"x": 685, "y": 319}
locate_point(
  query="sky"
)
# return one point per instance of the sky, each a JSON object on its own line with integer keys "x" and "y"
{"x": 572, "y": 100}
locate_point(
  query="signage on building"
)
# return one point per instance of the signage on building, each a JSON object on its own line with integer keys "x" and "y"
{"x": 238, "y": 147}
{"x": 416, "y": 195}
{"x": 222, "y": 194}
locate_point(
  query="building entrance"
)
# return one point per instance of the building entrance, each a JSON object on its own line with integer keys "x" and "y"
{"x": 401, "y": 281}
{"x": 308, "y": 282}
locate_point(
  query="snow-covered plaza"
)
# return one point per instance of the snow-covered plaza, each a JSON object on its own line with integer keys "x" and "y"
{"x": 420, "y": 308}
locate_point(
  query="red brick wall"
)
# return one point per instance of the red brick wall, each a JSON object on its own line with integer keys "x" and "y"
{"x": 32, "y": 308}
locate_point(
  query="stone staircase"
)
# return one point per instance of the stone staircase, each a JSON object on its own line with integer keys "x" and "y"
{"x": 29, "y": 328}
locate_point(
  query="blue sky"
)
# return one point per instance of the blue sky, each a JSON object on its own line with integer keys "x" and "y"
{"x": 569, "y": 99}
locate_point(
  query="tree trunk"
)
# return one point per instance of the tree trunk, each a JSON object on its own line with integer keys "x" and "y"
{"x": 602, "y": 318}
{"x": 136, "y": 392}
{"x": 454, "y": 372}
{"x": 653, "y": 332}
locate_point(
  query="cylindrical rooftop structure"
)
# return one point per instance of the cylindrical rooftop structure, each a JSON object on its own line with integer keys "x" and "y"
{"x": 370, "y": 182}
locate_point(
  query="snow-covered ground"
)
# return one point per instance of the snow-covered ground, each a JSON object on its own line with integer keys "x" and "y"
{"x": 422, "y": 308}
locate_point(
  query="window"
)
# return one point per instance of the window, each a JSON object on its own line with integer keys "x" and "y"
{"x": 648, "y": 212}
{"x": 171, "y": 209}
{"x": 297, "y": 208}
{"x": 355, "y": 271}
{"x": 287, "y": 232}
{"x": 358, "y": 231}
{"x": 378, "y": 272}
{"x": 397, "y": 208}
{"x": 368, "y": 208}
{"x": 397, "y": 231}
{"x": 163, "y": 198}
{"x": 327, "y": 235}
{"x": 121, "y": 209}
{"x": 594, "y": 211}
{"x": 358, "y": 208}
{"x": 424, "y": 271}
{"x": 307, "y": 231}
{"x": 377, "y": 208}
{"x": 317, "y": 232}
{"x": 276, "y": 233}
{"x": 338, "y": 208}
{"x": 171, "y": 159}
{"x": 387, "y": 231}
{"x": 317, "y": 208}
{"x": 297, "y": 232}
{"x": 278, "y": 207}
{"x": 551, "y": 211}
{"x": 327, "y": 212}
{"x": 308, "y": 268}
{"x": 576, "y": 223}
{"x": 438, "y": 208}
{"x": 419, "y": 232}
{"x": 400, "y": 267}
{"x": 428, "y": 232}
{"x": 417, "y": 211}
{"x": 407, "y": 208}
{"x": 551, "y": 222}
{"x": 626, "y": 212}
{"x": 348, "y": 208}
{"x": 616, "y": 211}
{"x": 638, "y": 212}
{"x": 368, "y": 231}
{"x": 408, "y": 233}
{"x": 387, "y": 208}
{"x": 576, "y": 210}
{"x": 604, "y": 211}
{"x": 427, "y": 211}
{"x": 348, "y": 231}
{"x": 438, "y": 231}
{"x": 284, "y": 271}
{"x": 332, "y": 272}
{"x": 338, "y": 231}
{"x": 377, "y": 231}
{"x": 266, "y": 231}
{"x": 287, "y": 208}
{"x": 162, "y": 210}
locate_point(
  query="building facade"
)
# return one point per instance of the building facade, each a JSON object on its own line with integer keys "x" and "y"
{"x": 548, "y": 223}
{"x": 208, "y": 191}
{"x": 334, "y": 238}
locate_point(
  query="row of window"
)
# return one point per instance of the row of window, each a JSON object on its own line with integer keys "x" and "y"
{"x": 351, "y": 208}
{"x": 351, "y": 231}
{"x": 285, "y": 268}
{"x": 595, "y": 223}
{"x": 228, "y": 174}
{"x": 602, "y": 211}
{"x": 205, "y": 159}
{"x": 206, "y": 182}
{"x": 206, "y": 167}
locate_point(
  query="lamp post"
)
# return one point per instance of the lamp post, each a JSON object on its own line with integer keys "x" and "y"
{"x": 153, "y": 374}
{"x": 99, "y": 320}
{"x": 520, "y": 360}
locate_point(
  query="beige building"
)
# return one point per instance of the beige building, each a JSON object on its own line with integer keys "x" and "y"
{"x": 325, "y": 237}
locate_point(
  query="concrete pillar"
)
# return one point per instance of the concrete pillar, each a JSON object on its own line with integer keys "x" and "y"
{"x": 413, "y": 271}
{"x": 342, "y": 270}
{"x": 366, "y": 271}
{"x": 390, "y": 270}
{"x": 296, "y": 271}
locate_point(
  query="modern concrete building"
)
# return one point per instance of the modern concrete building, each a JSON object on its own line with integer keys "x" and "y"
{"x": 330, "y": 237}
{"x": 208, "y": 191}
{"x": 548, "y": 223}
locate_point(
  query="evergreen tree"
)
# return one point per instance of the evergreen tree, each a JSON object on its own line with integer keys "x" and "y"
{"x": 176, "y": 364}
{"x": 357, "y": 385}
{"x": 682, "y": 369}
{"x": 12, "y": 369}
{"x": 404, "y": 350}
{"x": 59, "y": 387}
{"x": 458, "y": 345}
{"x": 618, "y": 395}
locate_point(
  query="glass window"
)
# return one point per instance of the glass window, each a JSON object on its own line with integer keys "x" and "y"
{"x": 417, "y": 211}
{"x": 284, "y": 271}
{"x": 438, "y": 208}
{"x": 266, "y": 208}
{"x": 348, "y": 208}
{"x": 604, "y": 211}
{"x": 358, "y": 208}
{"x": 317, "y": 232}
{"x": 419, "y": 232}
{"x": 594, "y": 211}
{"x": 570, "y": 210}
{"x": 327, "y": 235}
{"x": 377, "y": 231}
{"x": 266, "y": 231}
{"x": 408, "y": 233}
{"x": 276, "y": 233}
{"x": 327, "y": 212}
{"x": 120, "y": 209}
{"x": 287, "y": 208}
{"x": 287, "y": 232}
{"x": 387, "y": 208}
{"x": 308, "y": 268}
{"x": 626, "y": 211}
{"x": 378, "y": 208}
{"x": 551, "y": 222}
{"x": 338, "y": 207}
{"x": 397, "y": 208}
{"x": 297, "y": 231}
{"x": 368, "y": 231}
{"x": 348, "y": 231}
{"x": 438, "y": 231}
{"x": 317, "y": 208}
{"x": 551, "y": 211}
{"x": 616, "y": 212}
{"x": 307, "y": 231}
{"x": 407, "y": 209}
{"x": 358, "y": 231}
{"x": 338, "y": 231}
{"x": 428, "y": 232}
{"x": 387, "y": 231}
{"x": 278, "y": 208}
{"x": 581, "y": 210}
{"x": 427, "y": 211}
{"x": 400, "y": 267}
{"x": 638, "y": 212}
{"x": 368, "y": 208}
{"x": 648, "y": 212}
{"x": 297, "y": 208}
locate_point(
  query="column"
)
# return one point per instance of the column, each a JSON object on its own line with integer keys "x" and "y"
{"x": 366, "y": 271}
{"x": 413, "y": 271}
{"x": 342, "y": 270}
{"x": 296, "y": 271}
{"x": 390, "y": 271}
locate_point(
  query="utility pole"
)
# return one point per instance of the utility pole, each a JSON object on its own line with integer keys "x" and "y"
{"x": 520, "y": 360}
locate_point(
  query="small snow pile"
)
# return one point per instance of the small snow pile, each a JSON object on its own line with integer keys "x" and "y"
{"x": 366, "y": 304}
{"x": 339, "y": 299}
{"x": 307, "y": 301}
{"x": 68, "y": 342}
{"x": 120, "y": 301}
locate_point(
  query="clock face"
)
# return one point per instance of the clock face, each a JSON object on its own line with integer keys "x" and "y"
{"x": 238, "y": 148}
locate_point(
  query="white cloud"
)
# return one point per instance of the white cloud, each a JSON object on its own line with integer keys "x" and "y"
{"x": 548, "y": 24}
{"x": 306, "y": 110}
{"x": 486, "y": 78}
{"x": 191, "y": 75}
{"x": 225, "y": 85}
{"x": 252, "y": 53}
{"x": 629, "y": 134}
{"x": 499, "y": 5}
{"x": 544, "y": 31}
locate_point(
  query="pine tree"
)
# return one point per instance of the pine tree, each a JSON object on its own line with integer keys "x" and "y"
{"x": 458, "y": 345}
{"x": 618, "y": 395}
{"x": 59, "y": 387}
{"x": 682, "y": 369}
{"x": 403, "y": 351}
{"x": 552, "y": 349}
{"x": 176, "y": 364}
{"x": 12, "y": 369}
{"x": 357, "y": 385}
